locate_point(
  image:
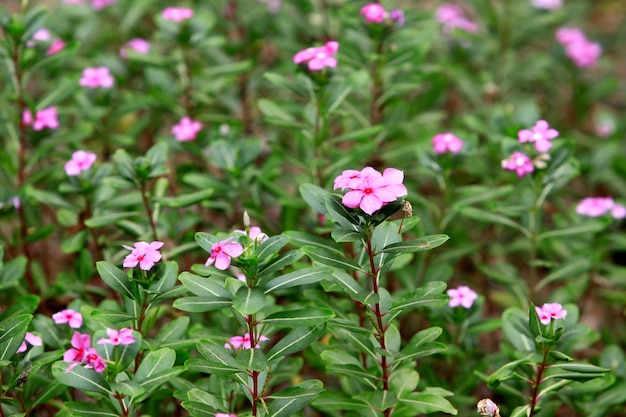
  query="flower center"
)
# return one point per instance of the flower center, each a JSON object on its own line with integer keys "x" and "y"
{"x": 368, "y": 191}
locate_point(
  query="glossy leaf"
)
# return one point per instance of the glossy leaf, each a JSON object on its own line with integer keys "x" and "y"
{"x": 296, "y": 340}
{"x": 416, "y": 245}
{"x": 115, "y": 278}
{"x": 249, "y": 300}
{"x": 297, "y": 278}
{"x": 305, "y": 317}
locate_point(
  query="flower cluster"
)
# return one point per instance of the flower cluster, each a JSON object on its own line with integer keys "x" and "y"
{"x": 176, "y": 14}
{"x": 370, "y": 190}
{"x": 375, "y": 13}
{"x": 540, "y": 135}
{"x": 520, "y": 163}
{"x": 549, "y": 312}
{"x": 578, "y": 48}
{"x": 73, "y": 318}
{"x": 186, "y": 130}
{"x": 447, "y": 142}
{"x": 319, "y": 57}
{"x": 96, "y": 77}
{"x": 222, "y": 252}
{"x": 462, "y": 296}
{"x": 82, "y": 353}
{"x": 44, "y": 118}
{"x": 81, "y": 161}
{"x": 599, "y": 206}
{"x": 452, "y": 17}
{"x": 143, "y": 253}
{"x": 139, "y": 45}
{"x": 244, "y": 342}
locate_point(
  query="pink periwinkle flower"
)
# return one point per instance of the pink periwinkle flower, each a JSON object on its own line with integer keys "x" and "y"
{"x": 549, "y": 312}
{"x": 547, "y": 4}
{"x": 599, "y": 206}
{"x": 96, "y": 77}
{"x": 139, "y": 45}
{"x": 225, "y": 415}
{"x": 462, "y": 296}
{"x": 222, "y": 252}
{"x": 42, "y": 35}
{"x": 451, "y": 16}
{"x": 244, "y": 342}
{"x": 116, "y": 338}
{"x": 540, "y": 134}
{"x": 143, "y": 253}
{"x": 81, "y": 343}
{"x": 318, "y": 58}
{"x": 44, "y": 118}
{"x": 32, "y": 340}
{"x": 71, "y": 317}
{"x": 56, "y": 46}
{"x": 81, "y": 161}
{"x": 447, "y": 142}
{"x": 578, "y": 48}
{"x": 374, "y": 13}
{"x": 95, "y": 361}
{"x": 372, "y": 190}
{"x": 101, "y": 4}
{"x": 187, "y": 129}
{"x": 255, "y": 234}
{"x": 176, "y": 14}
{"x": 520, "y": 163}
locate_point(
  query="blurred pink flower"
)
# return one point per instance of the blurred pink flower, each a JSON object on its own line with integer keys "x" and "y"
{"x": 32, "y": 339}
{"x": 81, "y": 344}
{"x": 44, "y": 118}
{"x": 567, "y": 36}
{"x": 451, "y": 16}
{"x": 547, "y": 4}
{"x": 95, "y": 361}
{"x": 519, "y": 163}
{"x": 42, "y": 35}
{"x": 599, "y": 206}
{"x": 397, "y": 15}
{"x": 101, "y": 4}
{"x": 71, "y": 317}
{"x": 255, "y": 235}
{"x": 244, "y": 342}
{"x": 550, "y": 311}
{"x": 74, "y": 1}
{"x": 176, "y": 14}
{"x": 462, "y": 296}
{"x": 81, "y": 161}
{"x": 222, "y": 252}
{"x": 374, "y": 13}
{"x": 139, "y": 45}
{"x": 447, "y": 142}
{"x": 186, "y": 130}
{"x": 57, "y": 45}
{"x": 540, "y": 134}
{"x": 319, "y": 57}
{"x": 143, "y": 253}
{"x": 374, "y": 191}
{"x": 225, "y": 415}
{"x": 605, "y": 128}
{"x": 618, "y": 211}
{"x": 94, "y": 77}
{"x": 578, "y": 48}
{"x": 273, "y": 6}
{"x": 121, "y": 337}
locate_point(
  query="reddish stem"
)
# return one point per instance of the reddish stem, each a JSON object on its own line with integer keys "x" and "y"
{"x": 535, "y": 396}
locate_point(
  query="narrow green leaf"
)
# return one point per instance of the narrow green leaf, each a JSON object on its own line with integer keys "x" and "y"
{"x": 331, "y": 259}
{"x": 297, "y": 278}
{"x": 424, "y": 403}
{"x": 218, "y": 355}
{"x": 85, "y": 409}
{"x": 154, "y": 363}
{"x": 13, "y": 330}
{"x": 289, "y": 401}
{"x": 204, "y": 286}
{"x": 300, "y": 318}
{"x": 349, "y": 284}
{"x": 417, "y": 245}
{"x": 315, "y": 197}
{"x": 587, "y": 229}
{"x": 570, "y": 269}
{"x": 296, "y": 340}
{"x": 110, "y": 218}
{"x": 489, "y": 217}
{"x": 201, "y": 304}
{"x": 249, "y": 300}
{"x": 115, "y": 278}
{"x": 253, "y": 360}
{"x": 379, "y": 399}
{"x": 81, "y": 378}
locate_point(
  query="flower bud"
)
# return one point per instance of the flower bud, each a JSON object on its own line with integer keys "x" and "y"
{"x": 486, "y": 407}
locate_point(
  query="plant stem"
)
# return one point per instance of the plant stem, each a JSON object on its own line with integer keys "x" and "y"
{"x": 254, "y": 374}
{"x": 146, "y": 204}
{"x": 534, "y": 399}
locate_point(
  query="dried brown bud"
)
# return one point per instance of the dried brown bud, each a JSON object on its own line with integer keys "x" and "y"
{"x": 486, "y": 407}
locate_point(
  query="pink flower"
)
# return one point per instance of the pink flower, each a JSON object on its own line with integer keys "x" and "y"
{"x": 71, "y": 317}
{"x": 618, "y": 211}
{"x": 374, "y": 13}
{"x": 244, "y": 342}
{"x": 374, "y": 191}
{"x": 547, "y": 4}
{"x": 397, "y": 15}
{"x": 447, "y": 142}
{"x": 550, "y": 311}
{"x": 101, "y": 4}
{"x": 605, "y": 128}
{"x": 42, "y": 35}
{"x": 122, "y": 337}
{"x": 176, "y": 14}
{"x": 81, "y": 344}
{"x": 141, "y": 46}
{"x": 95, "y": 77}
{"x": 255, "y": 235}
{"x": 221, "y": 253}
{"x": 57, "y": 45}
{"x": 319, "y": 57}
{"x": 567, "y": 36}
{"x": 93, "y": 360}
{"x": 462, "y": 296}
{"x": 80, "y": 162}
{"x": 599, "y": 206}
{"x": 143, "y": 253}
{"x": 32, "y": 339}
{"x": 45, "y": 118}
{"x": 186, "y": 129}
{"x": 225, "y": 415}
{"x": 541, "y": 134}
{"x": 519, "y": 163}
{"x": 273, "y": 6}
{"x": 581, "y": 51}
{"x": 73, "y": 1}
{"x": 451, "y": 16}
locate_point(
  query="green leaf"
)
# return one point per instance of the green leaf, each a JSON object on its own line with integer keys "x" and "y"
{"x": 85, "y": 409}
{"x": 206, "y": 241}
{"x": 186, "y": 200}
{"x": 425, "y": 403}
{"x": 560, "y": 356}
{"x": 380, "y": 400}
{"x": 570, "y": 269}
{"x": 330, "y": 258}
{"x": 13, "y": 330}
{"x": 340, "y": 235}
{"x": 341, "y": 214}
{"x": 154, "y": 364}
{"x": 506, "y": 372}
{"x": 204, "y": 286}
{"x": 297, "y": 278}
{"x": 220, "y": 359}
{"x": 201, "y": 304}
{"x": 276, "y": 115}
{"x": 287, "y": 402}
{"x": 166, "y": 274}
{"x": 355, "y": 135}
{"x": 198, "y": 409}
{"x": 299, "y": 318}
{"x": 115, "y": 278}
{"x": 489, "y": 217}
{"x": 515, "y": 328}
{"x": 581, "y": 367}
{"x": 81, "y": 378}
{"x": 534, "y": 325}
{"x": 249, "y": 300}
{"x": 174, "y": 330}
{"x": 347, "y": 283}
{"x": 253, "y": 360}
{"x": 129, "y": 388}
{"x": 587, "y": 229}
{"x": 305, "y": 239}
{"x": 12, "y": 272}
{"x": 404, "y": 381}
{"x": 427, "y": 296}
{"x": 110, "y": 218}
{"x": 315, "y": 197}
{"x": 271, "y": 246}
{"x": 296, "y": 340}
{"x": 417, "y": 245}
